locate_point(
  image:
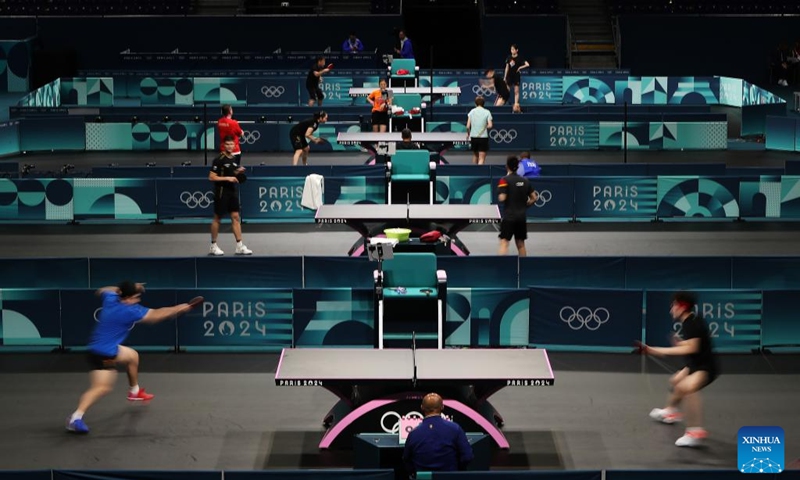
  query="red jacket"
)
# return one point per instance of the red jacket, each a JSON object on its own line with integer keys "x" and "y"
{"x": 228, "y": 126}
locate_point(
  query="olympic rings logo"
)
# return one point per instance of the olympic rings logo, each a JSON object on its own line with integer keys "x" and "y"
{"x": 544, "y": 197}
{"x": 584, "y": 317}
{"x": 503, "y": 136}
{"x": 482, "y": 91}
{"x": 197, "y": 199}
{"x": 250, "y": 137}
{"x": 272, "y": 91}
{"x": 395, "y": 428}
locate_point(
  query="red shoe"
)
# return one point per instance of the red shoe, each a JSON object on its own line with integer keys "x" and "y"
{"x": 139, "y": 397}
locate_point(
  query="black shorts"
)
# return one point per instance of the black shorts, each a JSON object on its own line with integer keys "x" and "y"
{"x": 513, "y": 228}
{"x": 315, "y": 93}
{"x": 505, "y": 95}
{"x": 712, "y": 373}
{"x": 101, "y": 362}
{"x": 380, "y": 118}
{"x": 479, "y": 144}
{"x": 226, "y": 204}
{"x": 299, "y": 142}
{"x": 513, "y": 80}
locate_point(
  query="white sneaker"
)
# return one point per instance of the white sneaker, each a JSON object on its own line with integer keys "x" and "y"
{"x": 692, "y": 438}
{"x": 243, "y": 250}
{"x": 216, "y": 251}
{"x": 664, "y": 415}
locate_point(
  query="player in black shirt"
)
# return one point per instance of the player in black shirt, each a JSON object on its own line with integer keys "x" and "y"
{"x": 516, "y": 194}
{"x": 314, "y": 79}
{"x": 495, "y": 80}
{"x": 226, "y": 173}
{"x": 406, "y": 143}
{"x": 701, "y": 369}
{"x": 514, "y": 63}
{"x": 304, "y": 131}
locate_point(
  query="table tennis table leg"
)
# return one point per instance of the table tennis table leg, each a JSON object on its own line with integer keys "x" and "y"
{"x": 380, "y": 325}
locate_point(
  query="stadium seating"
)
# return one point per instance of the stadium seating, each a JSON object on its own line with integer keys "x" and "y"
{"x": 719, "y": 7}
{"x": 529, "y": 7}
{"x": 96, "y": 7}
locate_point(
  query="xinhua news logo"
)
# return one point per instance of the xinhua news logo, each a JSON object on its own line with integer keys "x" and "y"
{"x": 761, "y": 449}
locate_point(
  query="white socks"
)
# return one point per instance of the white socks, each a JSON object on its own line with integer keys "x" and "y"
{"x": 239, "y": 244}
{"x": 76, "y": 416}
{"x": 134, "y": 390}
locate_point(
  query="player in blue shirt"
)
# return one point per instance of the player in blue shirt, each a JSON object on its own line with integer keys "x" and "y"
{"x": 120, "y": 313}
{"x": 437, "y": 444}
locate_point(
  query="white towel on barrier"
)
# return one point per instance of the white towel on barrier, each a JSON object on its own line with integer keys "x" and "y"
{"x": 313, "y": 191}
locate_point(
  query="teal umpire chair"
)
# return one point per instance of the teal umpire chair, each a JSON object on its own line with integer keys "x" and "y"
{"x": 409, "y": 79}
{"x": 410, "y": 177}
{"x": 410, "y": 301}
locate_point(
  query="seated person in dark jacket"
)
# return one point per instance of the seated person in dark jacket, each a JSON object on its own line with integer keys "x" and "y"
{"x": 406, "y": 144}
{"x": 437, "y": 444}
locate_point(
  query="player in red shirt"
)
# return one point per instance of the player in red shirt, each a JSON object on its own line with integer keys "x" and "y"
{"x": 228, "y": 126}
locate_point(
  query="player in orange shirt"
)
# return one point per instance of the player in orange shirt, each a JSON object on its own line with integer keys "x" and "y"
{"x": 380, "y": 101}
{"x": 227, "y": 126}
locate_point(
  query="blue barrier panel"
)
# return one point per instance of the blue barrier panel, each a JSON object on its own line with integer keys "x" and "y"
{"x": 250, "y": 272}
{"x": 47, "y": 134}
{"x": 760, "y": 196}
{"x": 678, "y": 272}
{"x": 685, "y": 474}
{"x": 356, "y": 171}
{"x": 30, "y": 317}
{"x": 792, "y": 167}
{"x": 9, "y": 138}
{"x": 184, "y": 198}
{"x": 335, "y": 272}
{"x": 44, "y": 273}
{"x": 273, "y": 199}
{"x": 115, "y": 198}
{"x": 156, "y": 272}
{"x": 351, "y": 190}
{"x": 689, "y": 196}
{"x": 257, "y": 137}
{"x": 500, "y": 475}
{"x": 556, "y": 198}
{"x": 733, "y": 318}
{"x": 195, "y": 171}
{"x": 480, "y": 271}
{"x": 217, "y": 90}
{"x": 754, "y": 171}
{"x": 790, "y": 197}
{"x": 335, "y": 317}
{"x": 609, "y": 170}
{"x": 703, "y": 169}
{"x": 470, "y": 170}
{"x": 779, "y": 325}
{"x": 287, "y": 170}
{"x": 139, "y": 475}
{"x": 311, "y": 475}
{"x": 766, "y": 273}
{"x": 464, "y": 190}
{"x": 487, "y": 317}
{"x": 585, "y": 317}
{"x": 609, "y": 197}
{"x": 80, "y": 310}
{"x": 587, "y": 272}
{"x": 273, "y": 91}
{"x": 37, "y": 199}
{"x": 781, "y": 133}
{"x": 559, "y": 135}
{"x": 26, "y": 475}
{"x": 131, "y": 172}
{"x": 237, "y": 318}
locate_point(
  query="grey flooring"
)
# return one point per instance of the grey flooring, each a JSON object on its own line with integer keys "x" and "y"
{"x": 224, "y": 412}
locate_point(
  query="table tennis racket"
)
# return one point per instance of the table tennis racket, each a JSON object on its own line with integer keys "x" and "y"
{"x": 641, "y": 348}
{"x": 330, "y": 66}
{"x": 196, "y": 301}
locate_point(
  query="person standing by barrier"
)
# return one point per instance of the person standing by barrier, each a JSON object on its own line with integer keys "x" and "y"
{"x": 120, "y": 313}
{"x": 380, "y": 101}
{"x": 515, "y": 194}
{"x": 479, "y": 122}
{"x": 514, "y": 65}
{"x": 227, "y": 174}
{"x": 314, "y": 81}
{"x": 436, "y": 444}
{"x": 228, "y": 127}
{"x": 304, "y": 131}
{"x": 701, "y": 369}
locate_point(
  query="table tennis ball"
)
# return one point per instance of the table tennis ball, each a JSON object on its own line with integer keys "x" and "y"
{"x": 424, "y": 105}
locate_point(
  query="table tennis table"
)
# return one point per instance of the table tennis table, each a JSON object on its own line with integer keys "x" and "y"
{"x": 371, "y": 220}
{"x": 376, "y": 387}
{"x": 439, "y": 141}
{"x": 436, "y": 91}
